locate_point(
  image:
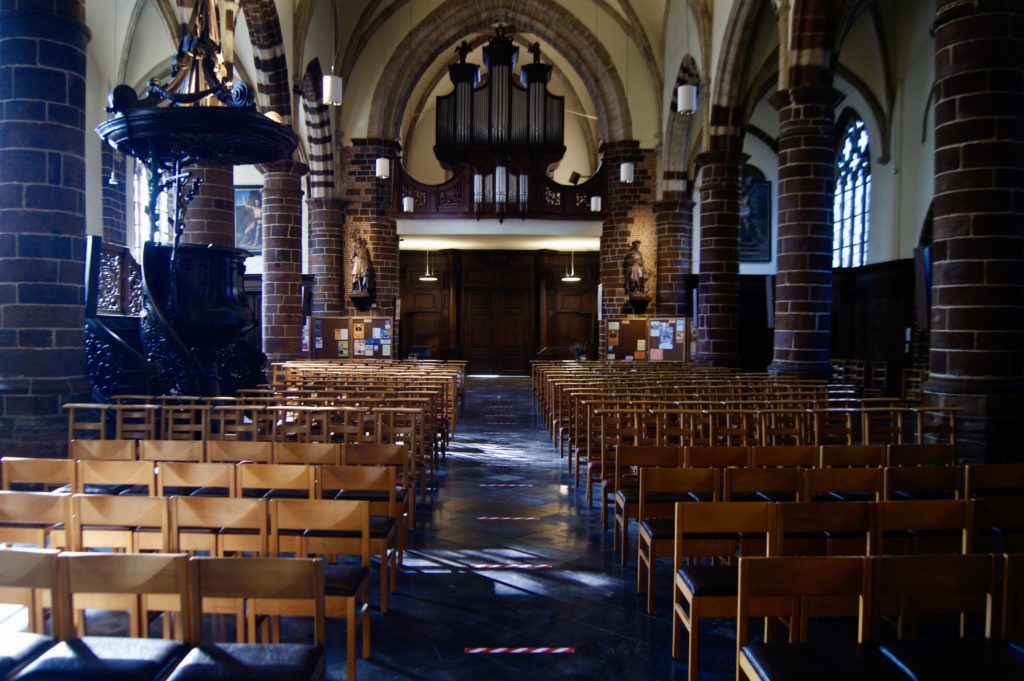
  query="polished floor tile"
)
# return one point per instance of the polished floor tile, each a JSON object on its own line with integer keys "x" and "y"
{"x": 567, "y": 589}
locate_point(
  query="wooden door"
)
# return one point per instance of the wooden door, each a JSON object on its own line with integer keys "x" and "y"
{"x": 498, "y": 312}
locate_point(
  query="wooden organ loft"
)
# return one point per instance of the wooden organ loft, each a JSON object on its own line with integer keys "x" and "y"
{"x": 499, "y": 138}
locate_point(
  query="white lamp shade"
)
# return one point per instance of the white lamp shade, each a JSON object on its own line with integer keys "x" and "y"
{"x": 686, "y": 97}
{"x": 383, "y": 168}
{"x": 626, "y": 173}
{"x": 408, "y": 204}
{"x": 595, "y": 204}
{"x": 332, "y": 90}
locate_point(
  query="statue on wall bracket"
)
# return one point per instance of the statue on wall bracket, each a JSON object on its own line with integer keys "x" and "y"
{"x": 637, "y": 278}
{"x": 361, "y": 273}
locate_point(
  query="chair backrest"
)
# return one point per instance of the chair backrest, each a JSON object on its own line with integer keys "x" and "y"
{"x": 116, "y": 473}
{"x": 948, "y": 583}
{"x": 997, "y": 525}
{"x": 852, "y": 455}
{"x": 1012, "y": 609}
{"x": 822, "y": 482}
{"x": 628, "y": 457}
{"x": 661, "y": 488}
{"x": 373, "y": 454}
{"x": 921, "y": 455}
{"x": 24, "y": 573}
{"x": 258, "y": 478}
{"x": 763, "y": 484}
{"x": 172, "y": 450}
{"x": 375, "y": 484}
{"x": 990, "y": 479}
{"x": 326, "y": 526}
{"x": 266, "y": 578}
{"x": 803, "y": 456}
{"x": 111, "y": 521}
{"x": 176, "y": 475}
{"x": 821, "y": 520}
{"x": 220, "y": 514}
{"x": 716, "y": 457}
{"x": 235, "y": 451}
{"x": 27, "y": 517}
{"x": 696, "y": 521}
{"x": 102, "y": 450}
{"x": 122, "y": 573}
{"x": 924, "y": 482}
{"x": 320, "y": 453}
{"x": 928, "y": 516}
{"x": 37, "y": 474}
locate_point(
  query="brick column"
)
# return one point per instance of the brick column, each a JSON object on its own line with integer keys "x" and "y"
{"x": 327, "y": 255}
{"x": 42, "y": 221}
{"x": 369, "y": 216}
{"x": 977, "y": 315}
{"x": 674, "y": 226}
{"x": 719, "y": 287}
{"x": 210, "y": 218}
{"x": 282, "y": 259}
{"x": 628, "y": 217}
{"x": 803, "y": 289}
{"x": 115, "y": 196}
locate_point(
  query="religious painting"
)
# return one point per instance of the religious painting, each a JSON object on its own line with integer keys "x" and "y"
{"x": 755, "y": 216}
{"x": 249, "y": 219}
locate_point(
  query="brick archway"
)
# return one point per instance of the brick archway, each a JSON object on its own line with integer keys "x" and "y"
{"x": 273, "y": 93}
{"x": 453, "y": 20}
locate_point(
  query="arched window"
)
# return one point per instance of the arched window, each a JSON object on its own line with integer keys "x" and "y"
{"x": 140, "y": 201}
{"x": 852, "y": 208}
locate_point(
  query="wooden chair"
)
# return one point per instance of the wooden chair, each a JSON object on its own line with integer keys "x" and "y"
{"x": 376, "y": 485}
{"x": 716, "y": 457}
{"x": 844, "y": 484}
{"x": 183, "y": 418}
{"x": 102, "y": 450}
{"x": 776, "y": 427}
{"x": 297, "y": 585}
{"x": 660, "y": 490}
{"x": 199, "y": 479}
{"x": 803, "y": 456}
{"x": 834, "y": 426}
{"x": 135, "y": 421}
{"x": 116, "y": 477}
{"x": 817, "y": 528}
{"x": 115, "y": 582}
{"x": 319, "y": 453}
{"x": 922, "y": 526}
{"x": 925, "y": 584}
{"x": 882, "y": 425}
{"x": 28, "y": 577}
{"x": 763, "y": 484}
{"x": 1012, "y": 608}
{"x": 87, "y": 421}
{"x": 292, "y": 423}
{"x": 37, "y": 474}
{"x": 372, "y": 454}
{"x": 240, "y": 421}
{"x": 997, "y": 525}
{"x": 923, "y": 482}
{"x": 709, "y": 590}
{"x": 990, "y": 479}
{"x": 276, "y": 480}
{"x": 122, "y": 523}
{"x": 34, "y": 518}
{"x": 629, "y": 461}
{"x": 336, "y": 528}
{"x": 935, "y": 425}
{"x": 172, "y": 450}
{"x": 236, "y": 451}
{"x": 784, "y": 586}
{"x": 920, "y": 455}
{"x": 838, "y": 456}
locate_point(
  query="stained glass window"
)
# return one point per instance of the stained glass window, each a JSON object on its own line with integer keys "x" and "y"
{"x": 852, "y": 199}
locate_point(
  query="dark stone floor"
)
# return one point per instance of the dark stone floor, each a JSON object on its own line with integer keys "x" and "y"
{"x": 446, "y": 603}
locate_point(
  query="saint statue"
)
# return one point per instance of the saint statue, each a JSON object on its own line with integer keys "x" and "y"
{"x": 636, "y": 276}
{"x": 360, "y": 266}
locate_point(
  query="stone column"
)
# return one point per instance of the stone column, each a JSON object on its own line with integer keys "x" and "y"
{"x": 370, "y": 217}
{"x": 282, "y": 259}
{"x": 210, "y": 218}
{"x": 719, "y": 285}
{"x": 674, "y": 225}
{"x": 327, "y": 255}
{"x": 803, "y": 289}
{"x": 977, "y": 315}
{"x": 42, "y": 222}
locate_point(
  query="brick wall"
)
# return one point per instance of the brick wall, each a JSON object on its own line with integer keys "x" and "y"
{"x": 674, "y": 231}
{"x": 327, "y": 261}
{"x": 42, "y": 221}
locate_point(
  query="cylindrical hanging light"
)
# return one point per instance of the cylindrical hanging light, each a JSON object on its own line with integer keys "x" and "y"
{"x": 686, "y": 98}
{"x": 595, "y": 204}
{"x": 570, "y": 275}
{"x": 478, "y": 188}
{"x": 408, "y": 204}
{"x": 332, "y": 89}
{"x": 427, "y": 274}
{"x": 626, "y": 172}
{"x": 383, "y": 168}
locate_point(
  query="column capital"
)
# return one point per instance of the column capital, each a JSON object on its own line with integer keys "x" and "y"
{"x": 804, "y": 95}
{"x": 286, "y": 166}
{"x": 326, "y": 203}
{"x": 673, "y": 205}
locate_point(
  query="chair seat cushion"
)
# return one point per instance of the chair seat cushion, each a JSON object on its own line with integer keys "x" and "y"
{"x": 250, "y": 662}
{"x": 659, "y": 528}
{"x": 109, "y": 658}
{"x": 711, "y": 580}
{"x": 924, "y": 660}
{"x": 380, "y": 526}
{"x": 812, "y": 661}
{"x": 17, "y": 648}
{"x": 344, "y": 580}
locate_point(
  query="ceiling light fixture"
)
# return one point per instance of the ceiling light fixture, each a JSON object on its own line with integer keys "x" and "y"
{"x": 570, "y": 275}
{"x": 332, "y": 83}
{"x": 427, "y": 274}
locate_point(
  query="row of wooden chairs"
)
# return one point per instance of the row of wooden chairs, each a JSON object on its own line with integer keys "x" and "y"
{"x": 702, "y": 532}
{"x": 69, "y": 582}
{"x": 874, "y": 590}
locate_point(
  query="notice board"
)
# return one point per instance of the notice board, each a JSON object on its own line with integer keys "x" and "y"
{"x": 627, "y": 340}
{"x": 345, "y": 338}
{"x": 668, "y": 339}
{"x": 372, "y": 337}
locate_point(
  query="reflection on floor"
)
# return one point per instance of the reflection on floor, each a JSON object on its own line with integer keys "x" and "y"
{"x": 543, "y": 577}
